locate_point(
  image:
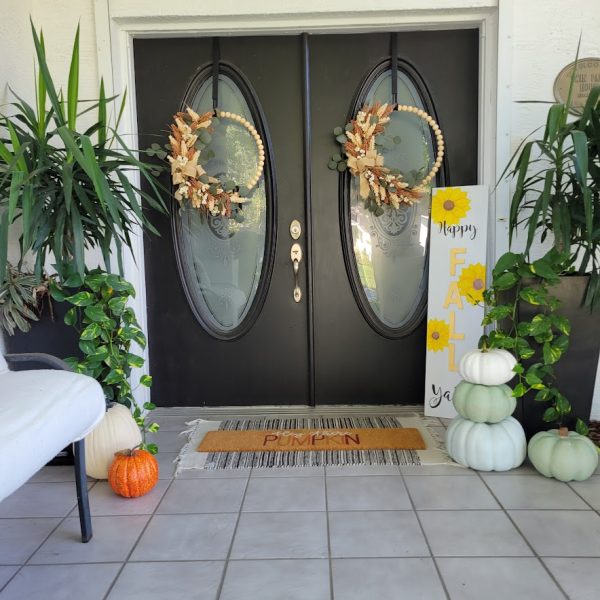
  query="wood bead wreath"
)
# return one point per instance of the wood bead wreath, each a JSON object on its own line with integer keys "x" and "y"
{"x": 190, "y": 134}
{"x": 378, "y": 183}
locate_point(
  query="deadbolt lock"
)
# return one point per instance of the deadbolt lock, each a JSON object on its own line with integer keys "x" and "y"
{"x": 295, "y": 229}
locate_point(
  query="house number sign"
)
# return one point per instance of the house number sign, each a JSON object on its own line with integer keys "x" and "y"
{"x": 586, "y": 77}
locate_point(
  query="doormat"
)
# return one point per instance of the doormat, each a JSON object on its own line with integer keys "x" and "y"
{"x": 433, "y": 453}
{"x": 298, "y": 440}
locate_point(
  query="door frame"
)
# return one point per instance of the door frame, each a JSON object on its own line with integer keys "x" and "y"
{"x": 119, "y": 22}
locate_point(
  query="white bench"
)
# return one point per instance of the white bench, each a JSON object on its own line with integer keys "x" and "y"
{"x": 42, "y": 412}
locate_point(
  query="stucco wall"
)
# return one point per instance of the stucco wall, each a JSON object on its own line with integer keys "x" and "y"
{"x": 542, "y": 34}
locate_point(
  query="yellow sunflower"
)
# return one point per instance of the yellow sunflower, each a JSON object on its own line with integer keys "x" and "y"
{"x": 449, "y": 205}
{"x": 438, "y": 335}
{"x": 471, "y": 283}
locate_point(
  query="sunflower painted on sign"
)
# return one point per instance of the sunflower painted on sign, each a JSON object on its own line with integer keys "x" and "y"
{"x": 438, "y": 335}
{"x": 450, "y": 206}
{"x": 471, "y": 283}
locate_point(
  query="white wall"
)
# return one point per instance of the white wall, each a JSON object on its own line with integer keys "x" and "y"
{"x": 541, "y": 38}
{"x": 545, "y": 34}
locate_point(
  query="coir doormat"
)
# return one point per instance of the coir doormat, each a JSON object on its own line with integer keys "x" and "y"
{"x": 299, "y": 440}
{"x": 429, "y": 429}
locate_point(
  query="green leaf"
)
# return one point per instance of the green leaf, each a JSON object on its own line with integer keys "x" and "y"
{"x": 332, "y": 165}
{"x": 533, "y": 380}
{"x": 133, "y": 360}
{"x": 341, "y": 139}
{"x": 561, "y": 323}
{"x": 542, "y": 395}
{"x": 338, "y": 131}
{"x": 95, "y": 312}
{"x": 519, "y": 369}
{"x": 152, "y": 448}
{"x": 544, "y": 269}
{"x": 81, "y": 299}
{"x": 117, "y": 305}
{"x": 70, "y": 317}
{"x": 73, "y": 84}
{"x": 539, "y": 324}
{"x": 88, "y": 346}
{"x": 519, "y": 391}
{"x": 535, "y": 296}
{"x": 550, "y": 414}
{"x": 551, "y": 353}
{"x": 562, "y": 405}
{"x": 581, "y": 428}
{"x": 91, "y": 332}
{"x": 506, "y": 281}
{"x": 505, "y": 262}
{"x": 146, "y": 380}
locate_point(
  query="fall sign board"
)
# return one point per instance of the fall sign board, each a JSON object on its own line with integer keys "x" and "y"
{"x": 457, "y": 258}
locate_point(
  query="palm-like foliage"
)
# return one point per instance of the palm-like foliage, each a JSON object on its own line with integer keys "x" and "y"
{"x": 70, "y": 190}
{"x": 558, "y": 188}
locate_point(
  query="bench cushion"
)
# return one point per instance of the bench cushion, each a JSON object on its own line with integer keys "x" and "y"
{"x": 42, "y": 412}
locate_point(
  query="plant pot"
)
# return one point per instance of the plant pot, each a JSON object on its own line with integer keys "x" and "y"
{"x": 49, "y": 335}
{"x": 576, "y": 369}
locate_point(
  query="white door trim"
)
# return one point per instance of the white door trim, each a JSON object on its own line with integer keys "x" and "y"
{"x": 119, "y": 22}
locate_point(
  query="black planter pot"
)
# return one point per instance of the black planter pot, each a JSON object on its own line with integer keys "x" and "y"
{"x": 576, "y": 370}
{"x": 49, "y": 335}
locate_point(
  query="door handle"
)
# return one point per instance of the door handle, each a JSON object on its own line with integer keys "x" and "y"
{"x": 296, "y": 256}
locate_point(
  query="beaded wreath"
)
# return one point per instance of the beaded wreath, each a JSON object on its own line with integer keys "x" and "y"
{"x": 378, "y": 183}
{"x": 190, "y": 133}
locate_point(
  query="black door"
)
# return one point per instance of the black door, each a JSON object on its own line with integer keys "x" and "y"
{"x": 224, "y": 326}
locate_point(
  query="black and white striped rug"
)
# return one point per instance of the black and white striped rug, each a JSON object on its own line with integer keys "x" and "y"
{"x": 189, "y": 458}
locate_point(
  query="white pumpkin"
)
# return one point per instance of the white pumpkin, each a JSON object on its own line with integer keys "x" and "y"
{"x": 483, "y": 403}
{"x": 563, "y": 454}
{"x": 486, "y": 447}
{"x": 487, "y": 367}
{"x": 117, "y": 431}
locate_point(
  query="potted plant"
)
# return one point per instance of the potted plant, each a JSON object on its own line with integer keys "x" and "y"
{"x": 108, "y": 331}
{"x": 67, "y": 186}
{"x": 557, "y": 193}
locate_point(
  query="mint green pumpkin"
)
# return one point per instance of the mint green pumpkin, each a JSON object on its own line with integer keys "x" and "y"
{"x": 563, "y": 454}
{"x": 483, "y": 403}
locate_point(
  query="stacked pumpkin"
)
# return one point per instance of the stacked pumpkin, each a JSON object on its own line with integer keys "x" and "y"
{"x": 484, "y": 436}
{"x": 112, "y": 452}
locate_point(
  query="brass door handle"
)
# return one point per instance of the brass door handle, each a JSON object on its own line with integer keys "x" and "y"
{"x": 296, "y": 256}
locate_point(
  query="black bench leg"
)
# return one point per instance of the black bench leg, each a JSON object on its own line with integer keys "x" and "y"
{"x": 83, "y": 502}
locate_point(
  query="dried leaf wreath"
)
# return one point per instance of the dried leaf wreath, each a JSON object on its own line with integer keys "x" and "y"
{"x": 379, "y": 184}
{"x": 190, "y": 133}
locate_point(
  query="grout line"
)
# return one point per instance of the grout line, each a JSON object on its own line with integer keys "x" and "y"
{"x": 137, "y": 541}
{"x": 331, "y": 591}
{"x": 62, "y": 520}
{"x": 433, "y": 558}
{"x": 227, "y": 558}
{"x": 536, "y": 555}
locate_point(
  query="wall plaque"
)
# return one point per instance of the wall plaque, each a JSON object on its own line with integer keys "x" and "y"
{"x": 586, "y": 77}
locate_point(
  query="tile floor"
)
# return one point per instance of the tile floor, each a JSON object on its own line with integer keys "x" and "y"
{"x": 363, "y": 533}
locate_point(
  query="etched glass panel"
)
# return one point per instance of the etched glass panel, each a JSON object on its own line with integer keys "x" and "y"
{"x": 222, "y": 259}
{"x": 390, "y": 250}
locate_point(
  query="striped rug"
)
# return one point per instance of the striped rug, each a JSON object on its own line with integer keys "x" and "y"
{"x": 189, "y": 458}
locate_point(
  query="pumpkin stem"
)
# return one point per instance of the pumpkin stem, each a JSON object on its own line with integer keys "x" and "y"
{"x": 126, "y": 452}
{"x": 563, "y": 431}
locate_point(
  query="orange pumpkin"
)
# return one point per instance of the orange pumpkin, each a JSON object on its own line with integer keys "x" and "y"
{"x": 133, "y": 473}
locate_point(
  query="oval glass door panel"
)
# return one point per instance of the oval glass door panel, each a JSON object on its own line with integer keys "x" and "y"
{"x": 222, "y": 259}
{"x": 390, "y": 250}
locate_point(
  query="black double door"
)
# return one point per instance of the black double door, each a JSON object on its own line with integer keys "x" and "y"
{"x": 329, "y": 347}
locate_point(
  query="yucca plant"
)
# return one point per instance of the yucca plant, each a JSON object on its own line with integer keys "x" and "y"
{"x": 558, "y": 188}
{"x": 69, "y": 189}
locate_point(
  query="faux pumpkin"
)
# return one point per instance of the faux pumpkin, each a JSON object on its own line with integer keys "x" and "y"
{"x": 487, "y": 367}
{"x": 116, "y": 431}
{"x": 133, "y": 473}
{"x": 563, "y": 454}
{"x": 486, "y": 447}
{"x": 483, "y": 403}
